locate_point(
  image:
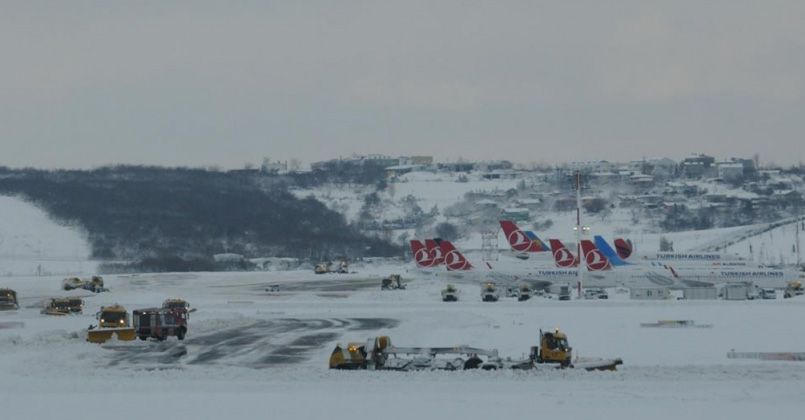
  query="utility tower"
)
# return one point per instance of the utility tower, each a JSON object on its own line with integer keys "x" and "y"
{"x": 489, "y": 245}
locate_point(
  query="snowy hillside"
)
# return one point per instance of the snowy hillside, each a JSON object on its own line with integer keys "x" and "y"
{"x": 449, "y": 191}
{"x": 31, "y": 243}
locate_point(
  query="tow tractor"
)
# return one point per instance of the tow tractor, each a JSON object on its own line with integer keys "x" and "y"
{"x": 112, "y": 321}
{"x": 380, "y": 354}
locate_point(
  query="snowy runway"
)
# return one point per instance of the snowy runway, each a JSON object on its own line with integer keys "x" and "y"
{"x": 254, "y": 354}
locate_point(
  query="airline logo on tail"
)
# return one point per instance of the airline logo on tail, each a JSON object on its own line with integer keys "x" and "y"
{"x": 521, "y": 241}
{"x": 421, "y": 255}
{"x": 594, "y": 258}
{"x": 563, "y": 257}
{"x": 434, "y": 251}
{"x": 453, "y": 259}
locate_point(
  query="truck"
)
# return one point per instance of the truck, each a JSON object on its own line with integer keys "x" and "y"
{"x": 524, "y": 292}
{"x": 450, "y": 294}
{"x": 94, "y": 284}
{"x": 112, "y": 321}
{"x": 564, "y": 292}
{"x": 64, "y": 306}
{"x": 595, "y": 293}
{"x": 489, "y": 292}
{"x": 160, "y": 323}
{"x": 8, "y": 300}
{"x": 392, "y": 282}
{"x": 793, "y": 289}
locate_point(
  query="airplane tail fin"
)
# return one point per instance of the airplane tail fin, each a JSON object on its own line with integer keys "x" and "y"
{"x": 421, "y": 255}
{"x": 593, "y": 257}
{"x": 453, "y": 259}
{"x": 435, "y": 251}
{"x": 608, "y": 252}
{"x": 518, "y": 240}
{"x": 624, "y": 247}
{"x": 563, "y": 257}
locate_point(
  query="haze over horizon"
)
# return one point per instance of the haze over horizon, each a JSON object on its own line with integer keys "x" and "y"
{"x": 87, "y": 84}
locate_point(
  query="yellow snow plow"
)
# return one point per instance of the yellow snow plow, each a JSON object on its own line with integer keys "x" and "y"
{"x": 112, "y": 321}
{"x": 63, "y": 306}
{"x": 8, "y": 300}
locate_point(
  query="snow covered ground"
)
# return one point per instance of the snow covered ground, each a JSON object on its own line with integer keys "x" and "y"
{"x": 254, "y": 354}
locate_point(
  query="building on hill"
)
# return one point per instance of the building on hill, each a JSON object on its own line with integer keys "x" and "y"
{"x": 698, "y": 166}
{"x": 730, "y": 171}
{"x": 516, "y": 214}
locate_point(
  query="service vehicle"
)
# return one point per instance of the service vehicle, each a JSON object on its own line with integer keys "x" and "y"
{"x": 160, "y": 323}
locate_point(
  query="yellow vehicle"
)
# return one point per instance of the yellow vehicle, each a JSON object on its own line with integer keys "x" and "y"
{"x": 8, "y": 300}
{"x": 794, "y": 289}
{"x": 64, "y": 306}
{"x": 71, "y": 283}
{"x": 353, "y": 356}
{"x": 112, "y": 321}
{"x": 553, "y": 348}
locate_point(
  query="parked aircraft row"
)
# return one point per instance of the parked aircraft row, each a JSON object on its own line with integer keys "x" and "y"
{"x": 603, "y": 265}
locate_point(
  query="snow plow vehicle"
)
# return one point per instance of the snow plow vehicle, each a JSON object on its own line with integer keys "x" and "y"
{"x": 555, "y": 349}
{"x": 392, "y": 282}
{"x": 160, "y": 323}
{"x": 327, "y": 267}
{"x": 63, "y": 306}
{"x": 95, "y": 284}
{"x": 489, "y": 292}
{"x": 379, "y": 354}
{"x": 8, "y": 300}
{"x": 450, "y": 294}
{"x": 112, "y": 321}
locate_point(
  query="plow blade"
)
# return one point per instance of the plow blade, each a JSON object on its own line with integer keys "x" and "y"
{"x": 604, "y": 364}
{"x": 102, "y": 335}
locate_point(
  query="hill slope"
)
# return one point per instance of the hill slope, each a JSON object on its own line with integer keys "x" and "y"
{"x": 133, "y": 213}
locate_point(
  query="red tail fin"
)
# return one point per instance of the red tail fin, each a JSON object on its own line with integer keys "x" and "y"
{"x": 595, "y": 260}
{"x": 421, "y": 255}
{"x": 624, "y": 248}
{"x": 454, "y": 260}
{"x": 563, "y": 257}
{"x": 518, "y": 240}
{"x": 435, "y": 251}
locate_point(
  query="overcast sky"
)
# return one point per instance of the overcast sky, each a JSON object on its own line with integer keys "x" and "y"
{"x": 225, "y": 83}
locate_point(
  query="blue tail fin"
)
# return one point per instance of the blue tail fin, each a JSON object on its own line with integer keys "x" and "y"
{"x": 607, "y": 250}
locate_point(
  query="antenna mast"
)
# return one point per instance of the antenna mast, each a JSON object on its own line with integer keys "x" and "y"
{"x": 582, "y": 259}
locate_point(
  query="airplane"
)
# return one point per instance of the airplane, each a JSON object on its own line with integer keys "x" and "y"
{"x": 624, "y": 249}
{"x": 603, "y": 258}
